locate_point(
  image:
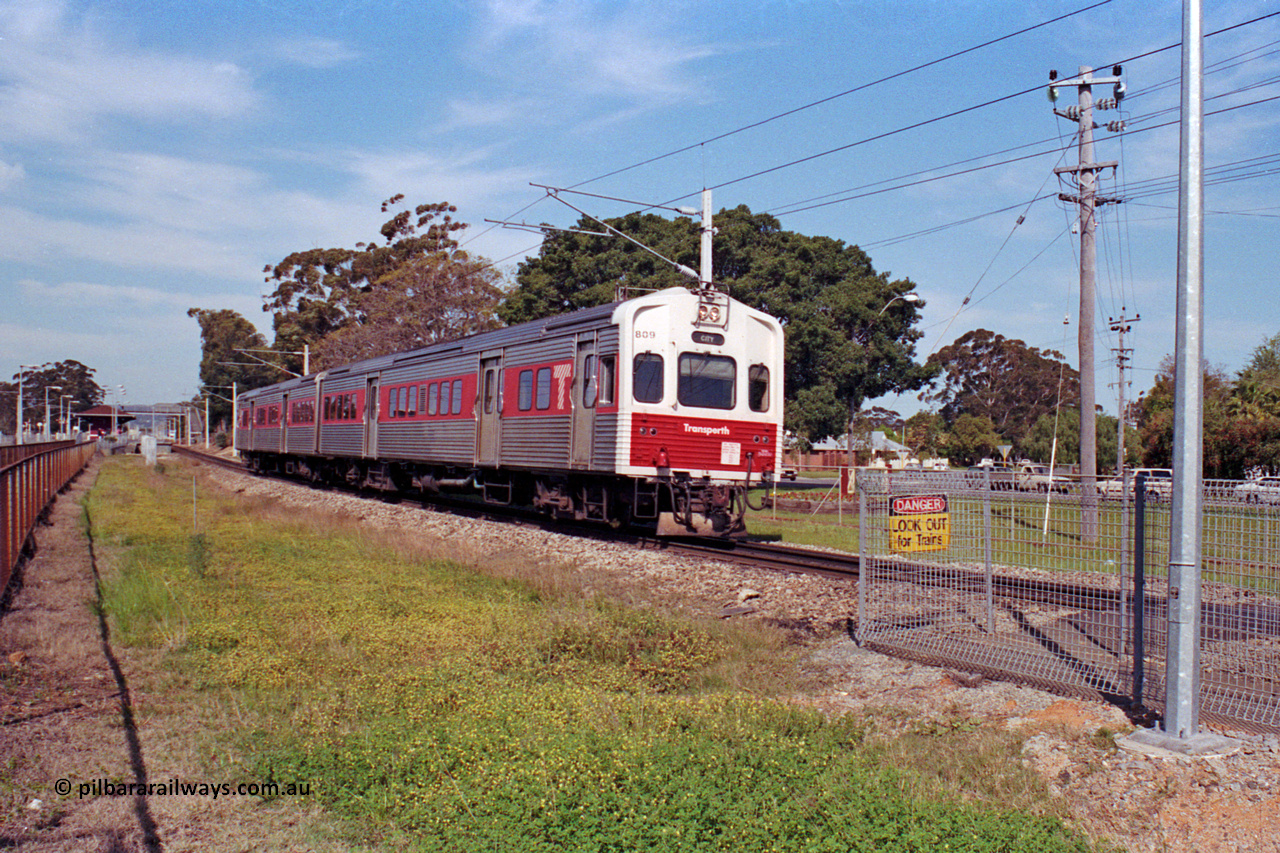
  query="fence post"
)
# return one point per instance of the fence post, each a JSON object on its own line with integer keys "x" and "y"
{"x": 988, "y": 579}
{"x": 1139, "y": 587}
{"x": 864, "y": 565}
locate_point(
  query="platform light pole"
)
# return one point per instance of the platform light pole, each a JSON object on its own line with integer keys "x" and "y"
{"x": 64, "y": 404}
{"x": 17, "y": 432}
{"x": 45, "y": 429}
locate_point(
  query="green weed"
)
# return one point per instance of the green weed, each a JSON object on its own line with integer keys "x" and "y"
{"x": 438, "y": 708}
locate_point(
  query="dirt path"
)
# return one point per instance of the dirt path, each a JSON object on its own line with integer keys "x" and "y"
{"x": 78, "y": 725}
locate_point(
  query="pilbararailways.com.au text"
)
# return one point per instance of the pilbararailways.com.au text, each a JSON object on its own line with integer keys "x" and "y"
{"x": 179, "y": 788}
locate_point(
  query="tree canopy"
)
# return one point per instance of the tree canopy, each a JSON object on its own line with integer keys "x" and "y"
{"x": 1241, "y": 428}
{"x": 321, "y": 291}
{"x": 426, "y": 300}
{"x": 848, "y": 338}
{"x": 69, "y": 378}
{"x": 224, "y": 337}
{"x": 1038, "y": 445}
{"x": 1001, "y": 379}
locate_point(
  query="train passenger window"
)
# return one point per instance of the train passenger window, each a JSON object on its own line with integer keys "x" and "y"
{"x": 490, "y": 390}
{"x": 444, "y": 398}
{"x": 590, "y": 382}
{"x": 413, "y": 401}
{"x": 608, "y": 379}
{"x": 525, "y": 394}
{"x": 758, "y": 387}
{"x": 544, "y": 388}
{"x": 706, "y": 381}
{"x": 457, "y": 396}
{"x": 646, "y": 378}
{"x": 431, "y": 399}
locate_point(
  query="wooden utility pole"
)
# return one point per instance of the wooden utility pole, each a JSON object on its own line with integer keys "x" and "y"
{"x": 1085, "y": 173}
{"x": 1121, "y": 326}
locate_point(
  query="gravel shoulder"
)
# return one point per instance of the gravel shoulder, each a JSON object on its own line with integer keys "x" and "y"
{"x": 76, "y": 708}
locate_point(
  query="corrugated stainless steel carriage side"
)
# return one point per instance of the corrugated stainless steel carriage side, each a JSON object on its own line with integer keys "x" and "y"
{"x": 422, "y": 434}
{"x": 550, "y": 412}
{"x": 267, "y": 430}
{"x": 298, "y": 416}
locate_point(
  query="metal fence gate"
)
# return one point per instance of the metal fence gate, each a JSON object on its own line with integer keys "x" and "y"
{"x": 1037, "y": 586}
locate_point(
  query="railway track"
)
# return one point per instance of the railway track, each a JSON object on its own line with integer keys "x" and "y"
{"x": 1082, "y": 637}
{"x": 767, "y": 555}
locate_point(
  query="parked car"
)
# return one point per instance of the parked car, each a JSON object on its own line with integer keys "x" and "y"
{"x": 1264, "y": 490}
{"x": 1158, "y": 484}
{"x": 1000, "y": 477}
{"x": 1034, "y": 477}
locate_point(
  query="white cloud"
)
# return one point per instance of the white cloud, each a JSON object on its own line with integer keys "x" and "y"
{"x": 576, "y": 51}
{"x": 315, "y": 52}
{"x": 10, "y": 174}
{"x": 91, "y": 293}
{"x": 32, "y": 237}
{"x": 482, "y": 113}
{"x": 59, "y": 79}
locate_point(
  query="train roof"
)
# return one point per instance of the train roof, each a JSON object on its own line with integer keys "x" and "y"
{"x": 496, "y": 339}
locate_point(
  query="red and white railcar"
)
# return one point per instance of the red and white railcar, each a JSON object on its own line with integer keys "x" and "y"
{"x": 659, "y": 409}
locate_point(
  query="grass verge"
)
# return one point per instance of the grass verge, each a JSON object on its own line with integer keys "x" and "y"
{"x": 433, "y": 706}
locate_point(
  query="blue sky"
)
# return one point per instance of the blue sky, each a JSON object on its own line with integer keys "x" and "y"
{"x": 155, "y": 155}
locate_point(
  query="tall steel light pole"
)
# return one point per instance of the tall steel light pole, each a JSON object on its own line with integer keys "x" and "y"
{"x": 1181, "y": 727}
{"x": 45, "y": 430}
{"x": 64, "y": 405}
{"x": 17, "y": 426}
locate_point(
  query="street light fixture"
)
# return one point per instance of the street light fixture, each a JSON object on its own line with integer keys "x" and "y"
{"x": 912, "y": 297}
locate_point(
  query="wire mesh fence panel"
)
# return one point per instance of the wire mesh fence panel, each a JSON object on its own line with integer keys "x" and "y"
{"x": 1062, "y": 587}
{"x": 1026, "y": 583}
{"x": 1240, "y": 602}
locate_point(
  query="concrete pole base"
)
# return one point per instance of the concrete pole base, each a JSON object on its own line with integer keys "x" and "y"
{"x": 1156, "y": 742}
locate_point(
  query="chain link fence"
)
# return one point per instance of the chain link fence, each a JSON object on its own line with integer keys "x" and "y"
{"x": 1045, "y": 583}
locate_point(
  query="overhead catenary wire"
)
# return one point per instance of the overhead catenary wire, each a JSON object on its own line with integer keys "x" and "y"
{"x": 925, "y": 122}
{"x": 838, "y": 95}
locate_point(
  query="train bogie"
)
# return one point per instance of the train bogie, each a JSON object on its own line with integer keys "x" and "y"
{"x": 658, "y": 410}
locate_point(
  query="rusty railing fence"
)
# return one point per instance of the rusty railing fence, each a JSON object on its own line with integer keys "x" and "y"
{"x": 961, "y": 571}
{"x": 30, "y": 476}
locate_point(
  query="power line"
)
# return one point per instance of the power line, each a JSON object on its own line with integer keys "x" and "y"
{"x": 830, "y": 98}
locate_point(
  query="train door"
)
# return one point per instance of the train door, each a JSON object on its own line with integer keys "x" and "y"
{"x": 586, "y": 392}
{"x": 318, "y": 403}
{"x": 489, "y": 410}
{"x": 284, "y": 424}
{"x": 371, "y": 417}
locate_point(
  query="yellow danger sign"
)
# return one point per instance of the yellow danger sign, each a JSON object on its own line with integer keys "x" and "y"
{"x": 919, "y": 523}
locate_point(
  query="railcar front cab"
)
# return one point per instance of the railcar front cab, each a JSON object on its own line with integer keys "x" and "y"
{"x": 702, "y": 413}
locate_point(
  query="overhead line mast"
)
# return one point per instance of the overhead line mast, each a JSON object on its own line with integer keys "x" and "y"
{"x": 1086, "y": 174}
